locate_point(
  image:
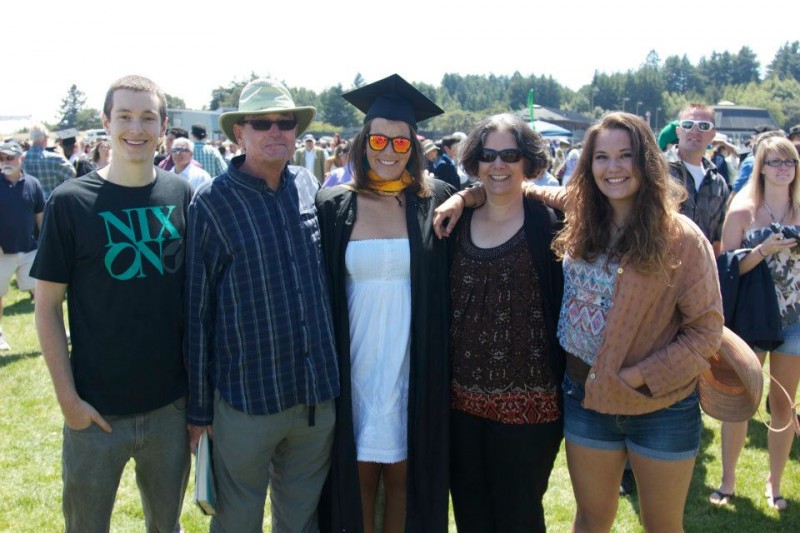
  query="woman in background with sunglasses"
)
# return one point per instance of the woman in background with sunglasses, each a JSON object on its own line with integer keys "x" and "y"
{"x": 770, "y": 198}
{"x": 388, "y": 281}
{"x": 640, "y": 317}
{"x": 505, "y": 292}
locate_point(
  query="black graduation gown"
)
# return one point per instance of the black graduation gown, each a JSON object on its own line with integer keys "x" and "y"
{"x": 429, "y": 381}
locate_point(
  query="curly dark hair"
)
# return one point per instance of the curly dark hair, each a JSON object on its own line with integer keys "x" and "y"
{"x": 646, "y": 237}
{"x": 415, "y": 166}
{"x": 535, "y": 153}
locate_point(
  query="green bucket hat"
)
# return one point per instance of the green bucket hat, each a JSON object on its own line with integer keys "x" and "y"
{"x": 262, "y": 96}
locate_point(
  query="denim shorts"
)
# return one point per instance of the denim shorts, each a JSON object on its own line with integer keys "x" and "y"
{"x": 791, "y": 341}
{"x": 669, "y": 434}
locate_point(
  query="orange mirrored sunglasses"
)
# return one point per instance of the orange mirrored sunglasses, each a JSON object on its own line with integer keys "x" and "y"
{"x": 401, "y": 145}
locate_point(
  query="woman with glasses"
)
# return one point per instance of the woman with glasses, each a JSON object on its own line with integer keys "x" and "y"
{"x": 388, "y": 282}
{"x": 506, "y": 364}
{"x": 640, "y": 316}
{"x": 765, "y": 216}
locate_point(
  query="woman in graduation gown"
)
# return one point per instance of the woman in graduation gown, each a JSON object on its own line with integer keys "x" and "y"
{"x": 389, "y": 290}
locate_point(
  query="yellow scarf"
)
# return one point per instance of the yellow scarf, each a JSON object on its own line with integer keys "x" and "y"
{"x": 380, "y": 185}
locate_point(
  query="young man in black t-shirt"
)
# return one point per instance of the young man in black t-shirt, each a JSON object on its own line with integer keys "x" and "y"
{"x": 113, "y": 241}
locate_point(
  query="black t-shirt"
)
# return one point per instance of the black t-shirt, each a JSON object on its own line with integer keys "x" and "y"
{"x": 120, "y": 250}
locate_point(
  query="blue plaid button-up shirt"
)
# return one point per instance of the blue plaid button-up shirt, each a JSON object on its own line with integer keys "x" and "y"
{"x": 49, "y": 168}
{"x": 209, "y": 158}
{"x": 259, "y": 325}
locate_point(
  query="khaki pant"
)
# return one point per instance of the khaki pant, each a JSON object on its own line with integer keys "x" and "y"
{"x": 250, "y": 451}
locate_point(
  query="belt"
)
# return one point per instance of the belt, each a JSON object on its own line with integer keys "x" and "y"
{"x": 577, "y": 370}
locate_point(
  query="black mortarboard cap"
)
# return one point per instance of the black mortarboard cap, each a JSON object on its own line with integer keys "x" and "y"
{"x": 393, "y": 98}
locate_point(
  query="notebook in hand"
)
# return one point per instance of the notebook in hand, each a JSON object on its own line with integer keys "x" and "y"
{"x": 205, "y": 495}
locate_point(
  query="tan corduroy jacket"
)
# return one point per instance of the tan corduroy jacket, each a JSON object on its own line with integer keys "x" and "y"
{"x": 667, "y": 327}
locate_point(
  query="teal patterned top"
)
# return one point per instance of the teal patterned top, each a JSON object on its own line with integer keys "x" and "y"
{"x": 588, "y": 293}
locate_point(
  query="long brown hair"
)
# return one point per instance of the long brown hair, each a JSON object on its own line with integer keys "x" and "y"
{"x": 415, "y": 166}
{"x": 645, "y": 239}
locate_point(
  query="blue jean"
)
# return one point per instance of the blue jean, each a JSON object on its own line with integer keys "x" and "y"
{"x": 93, "y": 462}
{"x": 791, "y": 341}
{"x": 669, "y": 434}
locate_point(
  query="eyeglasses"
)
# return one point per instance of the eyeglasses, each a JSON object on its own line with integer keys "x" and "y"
{"x": 777, "y": 163}
{"x": 179, "y": 150}
{"x": 510, "y": 155}
{"x": 284, "y": 124}
{"x": 401, "y": 145}
{"x": 702, "y": 125}
{"x": 8, "y": 158}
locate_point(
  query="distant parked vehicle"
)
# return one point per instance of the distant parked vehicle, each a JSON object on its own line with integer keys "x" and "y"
{"x": 95, "y": 135}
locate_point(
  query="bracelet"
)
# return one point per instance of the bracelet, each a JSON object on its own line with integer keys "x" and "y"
{"x": 463, "y": 198}
{"x": 758, "y": 249}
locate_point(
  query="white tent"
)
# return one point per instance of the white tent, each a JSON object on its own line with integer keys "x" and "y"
{"x": 545, "y": 129}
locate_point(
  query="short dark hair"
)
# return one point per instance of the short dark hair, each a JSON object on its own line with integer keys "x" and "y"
{"x": 140, "y": 84}
{"x": 178, "y": 133}
{"x": 449, "y": 140}
{"x": 535, "y": 153}
{"x": 199, "y": 131}
{"x": 764, "y": 128}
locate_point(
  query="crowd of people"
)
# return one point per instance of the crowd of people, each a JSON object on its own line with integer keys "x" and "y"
{"x": 389, "y": 310}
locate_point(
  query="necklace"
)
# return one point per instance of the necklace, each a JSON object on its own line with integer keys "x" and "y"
{"x": 395, "y": 194}
{"x": 617, "y": 229}
{"x": 773, "y": 216}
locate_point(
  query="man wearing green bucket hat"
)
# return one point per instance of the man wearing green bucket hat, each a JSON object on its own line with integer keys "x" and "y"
{"x": 260, "y": 348}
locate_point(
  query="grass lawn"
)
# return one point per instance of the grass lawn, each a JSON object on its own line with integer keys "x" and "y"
{"x": 30, "y": 489}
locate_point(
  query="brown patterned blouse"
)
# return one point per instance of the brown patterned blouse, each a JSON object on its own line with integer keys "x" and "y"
{"x": 498, "y": 343}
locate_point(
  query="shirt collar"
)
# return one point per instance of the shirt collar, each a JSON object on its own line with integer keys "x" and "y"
{"x": 253, "y": 182}
{"x": 13, "y": 184}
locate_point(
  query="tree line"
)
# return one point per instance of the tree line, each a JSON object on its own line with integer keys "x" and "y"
{"x": 661, "y": 88}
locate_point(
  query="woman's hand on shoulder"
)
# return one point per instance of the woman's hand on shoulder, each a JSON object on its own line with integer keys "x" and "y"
{"x": 554, "y": 197}
{"x": 447, "y": 214}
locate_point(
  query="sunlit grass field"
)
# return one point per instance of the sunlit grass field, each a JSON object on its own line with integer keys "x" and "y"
{"x": 30, "y": 466}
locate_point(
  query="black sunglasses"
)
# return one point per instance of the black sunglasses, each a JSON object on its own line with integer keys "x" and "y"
{"x": 510, "y": 155}
{"x": 284, "y": 124}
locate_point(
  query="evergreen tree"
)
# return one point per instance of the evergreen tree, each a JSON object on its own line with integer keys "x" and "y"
{"x": 786, "y": 64}
{"x": 745, "y": 67}
{"x": 71, "y": 105}
{"x": 229, "y": 96}
{"x": 680, "y": 76}
{"x": 88, "y": 119}
{"x": 173, "y": 102}
{"x": 336, "y": 110}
